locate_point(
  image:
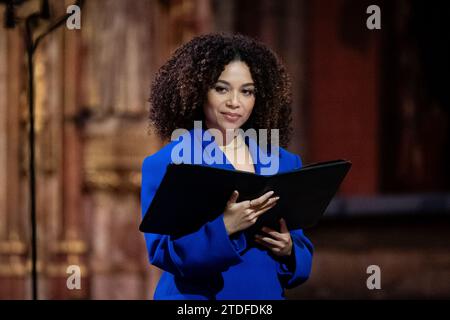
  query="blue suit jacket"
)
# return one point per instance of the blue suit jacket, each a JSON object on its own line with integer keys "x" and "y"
{"x": 209, "y": 264}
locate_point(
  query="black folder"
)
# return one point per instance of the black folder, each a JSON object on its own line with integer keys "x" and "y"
{"x": 191, "y": 195}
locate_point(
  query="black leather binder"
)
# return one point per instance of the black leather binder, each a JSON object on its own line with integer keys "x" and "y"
{"x": 191, "y": 195}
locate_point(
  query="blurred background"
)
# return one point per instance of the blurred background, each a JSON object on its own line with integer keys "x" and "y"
{"x": 379, "y": 98}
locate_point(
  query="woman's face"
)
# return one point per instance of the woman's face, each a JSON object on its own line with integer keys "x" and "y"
{"x": 231, "y": 99}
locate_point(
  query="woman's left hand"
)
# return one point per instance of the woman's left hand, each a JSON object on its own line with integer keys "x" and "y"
{"x": 280, "y": 243}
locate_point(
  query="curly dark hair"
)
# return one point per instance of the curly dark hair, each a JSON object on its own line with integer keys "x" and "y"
{"x": 180, "y": 86}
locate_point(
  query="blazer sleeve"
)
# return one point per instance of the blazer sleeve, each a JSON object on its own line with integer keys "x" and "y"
{"x": 208, "y": 250}
{"x": 296, "y": 268}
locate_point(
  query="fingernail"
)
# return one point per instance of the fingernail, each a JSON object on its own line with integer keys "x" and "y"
{"x": 271, "y": 192}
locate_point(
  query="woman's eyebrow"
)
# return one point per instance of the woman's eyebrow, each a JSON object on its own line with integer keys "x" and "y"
{"x": 223, "y": 81}
{"x": 244, "y": 85}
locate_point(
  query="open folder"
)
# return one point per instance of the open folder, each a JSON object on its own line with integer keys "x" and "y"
{"x": 191, "y": 195}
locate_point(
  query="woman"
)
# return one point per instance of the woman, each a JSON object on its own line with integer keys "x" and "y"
{"x": 228, "y": 82}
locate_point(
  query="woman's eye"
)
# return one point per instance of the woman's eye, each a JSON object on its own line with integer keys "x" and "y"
{"x": 248, "y": 92}
{"x": 220, "y": 89}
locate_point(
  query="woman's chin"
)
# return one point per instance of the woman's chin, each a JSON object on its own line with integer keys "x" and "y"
{"x": 232, "y": 124}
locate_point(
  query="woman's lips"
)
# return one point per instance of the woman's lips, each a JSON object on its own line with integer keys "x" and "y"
{"x": 232, "y": 117}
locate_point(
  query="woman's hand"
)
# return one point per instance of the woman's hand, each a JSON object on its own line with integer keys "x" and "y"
{"x": 280, "y": 243}
{"x": 241, "y": 215}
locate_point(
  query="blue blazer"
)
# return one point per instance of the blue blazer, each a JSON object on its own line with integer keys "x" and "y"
{"x": 209, "y": 264}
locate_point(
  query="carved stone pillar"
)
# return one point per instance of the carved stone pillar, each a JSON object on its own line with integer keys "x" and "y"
{"x": 91, "y": 93}
{"x": 14, "y": 269}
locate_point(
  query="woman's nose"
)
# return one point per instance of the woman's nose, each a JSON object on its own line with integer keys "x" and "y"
{"x": 234, "y": 101}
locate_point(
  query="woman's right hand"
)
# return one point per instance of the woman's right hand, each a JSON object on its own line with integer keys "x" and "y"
{"x": 241, "y": 215}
